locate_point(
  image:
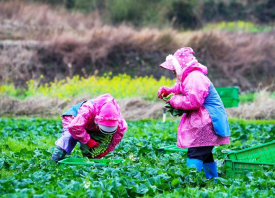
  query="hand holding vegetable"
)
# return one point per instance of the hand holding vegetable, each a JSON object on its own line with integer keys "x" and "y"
{"x": 173, "y": 111}
{"x": 163, "y": 91}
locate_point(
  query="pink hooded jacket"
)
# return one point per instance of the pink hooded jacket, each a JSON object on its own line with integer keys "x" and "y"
{"x": 88, "y": 113}
{"x": 190, "y": 90}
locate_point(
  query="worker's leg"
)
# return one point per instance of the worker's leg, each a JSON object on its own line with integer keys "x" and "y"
{"x": 197, "y": 155}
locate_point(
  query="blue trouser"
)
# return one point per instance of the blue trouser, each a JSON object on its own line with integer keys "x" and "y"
{"x": 66, "y": 141}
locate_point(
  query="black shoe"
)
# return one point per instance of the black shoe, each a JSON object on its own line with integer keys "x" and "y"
{"x": 58, "y": 154}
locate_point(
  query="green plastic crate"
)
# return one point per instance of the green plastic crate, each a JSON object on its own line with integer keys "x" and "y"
{"x": 172, "y": 149}
{"x": 261, "y": 153}
{"x": 229, "y": 96}
{"x": 82, "y": 161}
{"x": 228, "y": 92}
{"x": 230, "y": 102}
{"x": 253, "y": 158}
{"x": 234, "y": 167}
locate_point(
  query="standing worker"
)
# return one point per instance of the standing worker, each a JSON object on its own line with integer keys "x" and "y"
{"x": 205, "y": 124}
{"x": 97, "y": 124}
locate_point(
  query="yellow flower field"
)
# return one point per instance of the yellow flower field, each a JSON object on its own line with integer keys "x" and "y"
{"x": 121, "y": 86}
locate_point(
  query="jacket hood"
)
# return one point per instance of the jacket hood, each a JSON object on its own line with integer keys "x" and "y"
{"x": 107, "y": 110}
{"x": 183, "y": 62}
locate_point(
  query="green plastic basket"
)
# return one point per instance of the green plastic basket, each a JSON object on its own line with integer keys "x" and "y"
{"x": 250, "y": 159}
{"x": 82, "y": 161}
{"x": 172, "y": 149}
{"x": 234, "y": 167}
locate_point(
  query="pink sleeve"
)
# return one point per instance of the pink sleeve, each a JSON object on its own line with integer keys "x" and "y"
{"x": 122, "y": 128}
{"x": 195, "y": 89}
{"x": 77, "y": 126}
{"x": 175, "y": 89}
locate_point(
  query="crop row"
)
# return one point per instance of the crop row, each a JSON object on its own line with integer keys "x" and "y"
{"x": 27, "y": 171}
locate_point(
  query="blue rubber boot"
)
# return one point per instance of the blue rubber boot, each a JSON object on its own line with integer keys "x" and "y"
{"x": 210, "y": 170}
{"x": 58, "y": 154}
{"x": 194, "y": 163}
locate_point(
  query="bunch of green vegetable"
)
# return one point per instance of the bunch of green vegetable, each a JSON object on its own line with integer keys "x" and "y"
{"x": 170, "y": 109}
{"x": 103, "y": 139}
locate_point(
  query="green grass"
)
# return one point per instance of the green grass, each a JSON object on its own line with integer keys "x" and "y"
{"x": 236, "y": 26}
{"x": 249, "y": 97}
{"x": 244, "y": 121}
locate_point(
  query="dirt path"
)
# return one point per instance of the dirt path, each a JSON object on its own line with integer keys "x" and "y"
{"x": 132, "y": 109}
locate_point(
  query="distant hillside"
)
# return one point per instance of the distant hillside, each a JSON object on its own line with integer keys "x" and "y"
{"x": 187, "y": 14}
{"x": 38, "y": 40}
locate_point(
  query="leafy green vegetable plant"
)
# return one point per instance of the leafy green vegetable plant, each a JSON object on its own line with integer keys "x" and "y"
{"x": 170, "y": 109}
{"x": 27, "y": 171}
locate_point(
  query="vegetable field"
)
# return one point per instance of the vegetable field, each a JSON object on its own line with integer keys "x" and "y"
{"x": 27, "y": 171}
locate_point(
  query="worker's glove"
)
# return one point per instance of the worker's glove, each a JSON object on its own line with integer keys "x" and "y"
{"x": 91, "y": 143}
{"x": 163, "y": 92}
{"x": 102, "y": 154}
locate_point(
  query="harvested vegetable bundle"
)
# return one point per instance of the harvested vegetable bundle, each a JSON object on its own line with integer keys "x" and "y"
{"x": 103, "y": 139}
{"x": 173, "y": 111}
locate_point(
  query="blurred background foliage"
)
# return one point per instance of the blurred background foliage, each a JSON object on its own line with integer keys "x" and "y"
{"x": 59, "y": 48}
{"x": 187, "y": 14}
{"x": 94, "y": 37}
